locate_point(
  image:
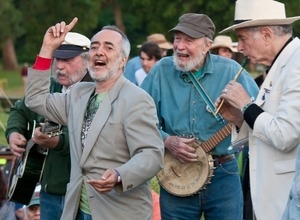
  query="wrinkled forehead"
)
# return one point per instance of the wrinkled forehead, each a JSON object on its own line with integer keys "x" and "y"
{"x": 243, "y": 31}
{"x": 107, "y": 36}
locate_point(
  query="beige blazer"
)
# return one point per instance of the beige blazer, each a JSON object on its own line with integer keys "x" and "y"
{"x": 275, "y": 137}
{"x": 123, "y": 135}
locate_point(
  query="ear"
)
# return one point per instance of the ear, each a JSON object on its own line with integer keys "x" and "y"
{"x": 267, "y": 33}
{"x": 207, "y": 47}
{"x": 123, "y": 62}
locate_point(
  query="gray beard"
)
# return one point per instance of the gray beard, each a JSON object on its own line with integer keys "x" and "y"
{"x": 190, "y": 65}
{"x": 110, "y": 72}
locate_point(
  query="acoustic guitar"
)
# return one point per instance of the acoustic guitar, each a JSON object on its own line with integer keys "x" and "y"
{"x": 26, "y": 171}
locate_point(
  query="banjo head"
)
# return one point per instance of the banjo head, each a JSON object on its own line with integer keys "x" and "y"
{"x": 185, "y": 179}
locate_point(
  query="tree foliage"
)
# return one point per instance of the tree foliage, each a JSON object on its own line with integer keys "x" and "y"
{"x": 10, "y": 17}
{"x": 145, "y": 17}
{"x": 293, "y": 9}
{"x": 27, "y": 21}
{"x": 38, "y": 15}
{"x": 10, "y": 28}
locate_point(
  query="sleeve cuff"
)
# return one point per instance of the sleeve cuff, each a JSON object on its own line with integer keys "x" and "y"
{"x": 251, "y": 113}
{"x": 42, "y": 63}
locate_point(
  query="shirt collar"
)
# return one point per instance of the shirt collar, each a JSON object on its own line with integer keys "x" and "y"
{"x": 288, "y": 41}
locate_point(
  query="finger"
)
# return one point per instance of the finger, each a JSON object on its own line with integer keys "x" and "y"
{"x": 185, "y": 159}
{"x": 105, "y": 190}
{"x": 187, "y": 140}
{"x": 71, "y": 24}
{"x": 22, "y": 139}
{"x": 17, "y": 155}
{"x": 232, "y": 82}
{"x": 17, "y": 151}
{"x": 217, "y": 102}
{"x": 95, "y": 183}
{"x": 188, "y": 159}
{"x": 56, "y": 30}
{"x": 91, "y": 181}
{"x": 225, "y": 91}
{"x": 62, "y": 27}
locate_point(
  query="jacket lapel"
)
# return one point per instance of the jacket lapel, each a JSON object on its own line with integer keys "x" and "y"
{"x": 265, "y": 88}
{"x": 280, "y": 62}
{"x": 101, "y": 117}
{"x": 78, "y": 116}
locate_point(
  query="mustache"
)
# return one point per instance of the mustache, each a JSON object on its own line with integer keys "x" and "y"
{"x": 59, "y": 73}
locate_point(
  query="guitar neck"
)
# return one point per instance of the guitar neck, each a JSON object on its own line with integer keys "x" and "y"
{"x": 209, "y": 144}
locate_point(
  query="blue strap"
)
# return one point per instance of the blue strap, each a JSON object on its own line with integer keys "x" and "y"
{"x": 205, "y": 97}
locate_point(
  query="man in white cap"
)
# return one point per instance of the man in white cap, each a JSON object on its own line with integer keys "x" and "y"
{"x": 270, "y": 124}
{"x": 69, "y": 68}
{"x": 134, "y": 63}
{"x": 181, "y": 87}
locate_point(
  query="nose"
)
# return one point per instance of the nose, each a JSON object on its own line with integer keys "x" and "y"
{"x": 228, "y": 54}
{"x": 240, "y": 46}
{"x": 145, "y": 62}
{"x": 100, "y": 50}
{"x": 59, "y": 64}
{"x": 179, "y": 45}
{"x": 145, "y": 65}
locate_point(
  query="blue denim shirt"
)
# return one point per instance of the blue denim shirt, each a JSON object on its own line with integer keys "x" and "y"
{"x": 292, "y": 210}
{"x": 131, "y": 67}
{"x": 181, "y": 109}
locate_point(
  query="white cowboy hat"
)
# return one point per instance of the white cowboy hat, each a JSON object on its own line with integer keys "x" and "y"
{"x": 223, "y": 41}
{"x": 251, "y": 13}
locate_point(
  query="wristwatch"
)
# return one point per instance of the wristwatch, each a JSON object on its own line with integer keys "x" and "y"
{"x": 119, "y": 180}
{"x": 245, "y": 107}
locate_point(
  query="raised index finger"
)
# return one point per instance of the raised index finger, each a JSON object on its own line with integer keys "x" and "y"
{"x": 72, "y": 24}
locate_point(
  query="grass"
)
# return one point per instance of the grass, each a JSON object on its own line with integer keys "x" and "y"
{"x": 154, "y": 184}
{"x": 3, "y": 119}
{"x": 11, "y": 85}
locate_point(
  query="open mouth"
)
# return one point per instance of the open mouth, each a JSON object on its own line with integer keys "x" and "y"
{"x": 61, "y": 75}
{"x": 182, "y": 55}
{"x": 99, "y": 63}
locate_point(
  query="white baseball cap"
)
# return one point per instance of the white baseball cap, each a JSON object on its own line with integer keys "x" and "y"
{"x": 73, "y": 45}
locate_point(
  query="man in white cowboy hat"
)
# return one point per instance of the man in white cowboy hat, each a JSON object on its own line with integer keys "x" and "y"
{"x": 223, "y": 46}
{"x": 135, "y": 63}
{"x": 270, "y": 124}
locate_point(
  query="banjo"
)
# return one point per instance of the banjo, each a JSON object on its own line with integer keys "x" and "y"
{"x": 185, "y": 179}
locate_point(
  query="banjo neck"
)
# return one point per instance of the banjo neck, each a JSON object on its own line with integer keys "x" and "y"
{"x": 210, "y": 143}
